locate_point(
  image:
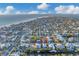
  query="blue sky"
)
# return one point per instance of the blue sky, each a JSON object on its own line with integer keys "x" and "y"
{"x": 31, "y": 8}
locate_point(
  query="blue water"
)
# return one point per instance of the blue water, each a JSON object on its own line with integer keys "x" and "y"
{"x": 10, "y": 19}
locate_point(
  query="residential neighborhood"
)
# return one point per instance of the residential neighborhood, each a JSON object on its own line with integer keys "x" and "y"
{"x": 43, "y": 36}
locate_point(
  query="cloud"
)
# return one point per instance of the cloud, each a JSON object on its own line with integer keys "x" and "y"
{"x": 33, "y": 12}
{"x": 71, "y": 9}
{"x": 20, "y": 12}
{"x": 12, "y": 10}
{"x": 9, "y": 10}
{"x": 37, "y": 12}
{"x": 42, "y": 6}
{"x": 1, "y": 13}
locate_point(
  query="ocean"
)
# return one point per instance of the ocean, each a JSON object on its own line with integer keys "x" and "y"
{"x": 11, "y": 19}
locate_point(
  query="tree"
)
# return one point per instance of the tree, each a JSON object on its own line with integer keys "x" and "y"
{"x": 34, "y": 38}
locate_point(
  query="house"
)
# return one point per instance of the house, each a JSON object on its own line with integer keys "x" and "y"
{"x": 71, "y": 39}
{"x": 51, "y": 45}
{"x": 38, "y": 41}
{"x": 38, "y": 45}
{"x": 44, "y": 45}
{"x": 60, "y": 46}
{"x": 33, "y": 45}
{"x": 70, "y": 46}
{"x": 59, "y": 37}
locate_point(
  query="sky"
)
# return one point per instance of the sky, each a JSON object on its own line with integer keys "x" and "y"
{"x": 39, "y": 8}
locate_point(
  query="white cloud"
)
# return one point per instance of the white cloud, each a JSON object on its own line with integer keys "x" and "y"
{"x": 9, "y": 10}
{"x": 20, "y": 12}
{"x": 1, "y": 13}
{"x": 33, "y": 12}
{"x": 71, "y": 9}
{"x": 12, "y": 10}
{"x": 42, "y": 6}
{"x": 37, "y": 12}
